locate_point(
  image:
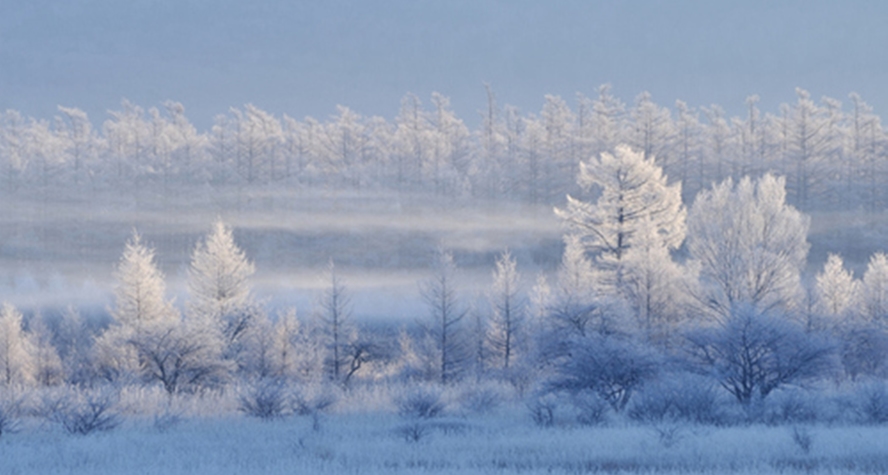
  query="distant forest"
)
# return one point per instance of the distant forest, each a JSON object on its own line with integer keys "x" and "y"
{"x": 833, "y": 155}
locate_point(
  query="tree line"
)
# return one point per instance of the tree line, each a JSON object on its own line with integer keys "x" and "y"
{"x": 832, "y": 154}
{"x": 620, "y": 322}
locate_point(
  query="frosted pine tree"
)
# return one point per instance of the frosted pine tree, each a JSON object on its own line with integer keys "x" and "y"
{"x": 140, "y": 309}
{"x": 219, "y": 283}
{"x": 633, "y": 189}
{"x": 506, "y": 329}
{"x": 48, "y": 370}
{"x": 837, "y": 292}
{"x": 652, "y": 283}
{"x": 17, "y": 349}
{"x": 139, "y": 295}
{"x": 875, "y": 288}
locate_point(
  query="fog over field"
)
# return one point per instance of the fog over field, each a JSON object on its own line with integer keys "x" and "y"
{"x": 443, "y": 237}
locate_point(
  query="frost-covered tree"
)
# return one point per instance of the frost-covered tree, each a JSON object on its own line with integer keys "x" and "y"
{"x": 219, "y": 283}
{"x": 140, "y": 307}
{"x": 633, "y": 190}
{"x": 607, "y": 118}
{"x": 837, "y": 292}
{"x": 506, "y": 329}
{"x": 48, "y": 370}
{"x": 80, "y": 144}
{"x": 181, "y": 356}
{"x": 148, "y": 338}
{"x": 875, "y": 289}
{"x": 334, "y": 313}
{"x": 558, "y": 145}
{"x": 17, "y": 349}
{"x": 807, "y": 146}
{"x": 578, "y": 287}
{"x": 444, "y": 325}
{"x": 749, "y": 245}
{"x": 652, "y": 283}
{"x": 296, "y": 352}
{"x": 139, "y": 300}
{"x": 413, "y": 141}
{"x": 653, "y": 129}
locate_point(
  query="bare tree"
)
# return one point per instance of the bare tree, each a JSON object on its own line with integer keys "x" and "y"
{"x": 446, "y": 316}
{"x": 335, "y": 316}
{"x": 612, "y": 367}
{"x": 751, "y": 354}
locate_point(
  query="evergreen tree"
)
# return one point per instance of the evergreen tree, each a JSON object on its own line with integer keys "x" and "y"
{"x": 506, "y": 329}
{"x": 875, "y": 289}
{"x": 837, "y": 292}
{"x": 219, "y": 284}
{"x": 633, "y": 190}
{"x": 17, "y": 349}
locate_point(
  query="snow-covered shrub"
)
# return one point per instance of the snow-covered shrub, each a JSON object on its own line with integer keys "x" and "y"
{"x": 590, "y": 409}
{"x": 265, "y": 398}
{"x": 312, "y": 400}
{"x": 668, "y": 434}
{"x": 802, "y": 438}
{"x": 10, "y": 412}
{"x": 610, "y": 366}
{"x": 872, "y": 403}
{"x": 164, "y": 421}
{"x": 542, "y": 409}
{"x": 678, "y": 398}
{"x": 791, "y": 407}
{"x": 413, "y": 431}
{"x": 480, "y": 400}
{"x": 421, "y": 403}
{"x": 83, "y": 412}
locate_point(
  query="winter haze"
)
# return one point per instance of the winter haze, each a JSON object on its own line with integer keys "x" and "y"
{"x": 443, "y": 237}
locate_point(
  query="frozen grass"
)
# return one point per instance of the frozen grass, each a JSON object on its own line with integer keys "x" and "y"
{"x": 505, "y": 442}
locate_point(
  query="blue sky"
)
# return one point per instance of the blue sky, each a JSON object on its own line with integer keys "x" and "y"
{"x": 304, "y": 57}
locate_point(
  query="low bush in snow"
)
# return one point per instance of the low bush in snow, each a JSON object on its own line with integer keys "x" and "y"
{"x": 421, "y": 403}
{"x": 265, "y": 399}
{"x": 85, "y": 411}
{"x": 678, "y": 398}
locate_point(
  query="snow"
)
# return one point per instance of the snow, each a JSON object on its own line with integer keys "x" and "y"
{"x": 371, "y": 443}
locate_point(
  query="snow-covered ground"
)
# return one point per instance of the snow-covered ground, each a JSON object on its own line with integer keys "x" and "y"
{"x": 375, "y": 443}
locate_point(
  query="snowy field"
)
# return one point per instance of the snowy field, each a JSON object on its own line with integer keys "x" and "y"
{"x": 506, "y": 442}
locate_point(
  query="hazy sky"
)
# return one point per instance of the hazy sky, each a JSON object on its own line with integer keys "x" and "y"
{"x": 304, "y": 57}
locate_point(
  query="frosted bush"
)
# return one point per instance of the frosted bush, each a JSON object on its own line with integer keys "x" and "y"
{"x": 791, "y": 407}
{"x": 265, "y": 399}
{"x": 590, "y": 408}
{"x": 678, "y": 398}
{"x": 309, "y": 401}
{"x": 83, "y": 412}
{"x": 803, "y": 439}
{"x": 542, "y": 409}
{"x": 872, "y": 403}
{"x": 10, "y": 413}
{"x": 481, "y": 400}
{"x": 421, "y": 403}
